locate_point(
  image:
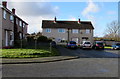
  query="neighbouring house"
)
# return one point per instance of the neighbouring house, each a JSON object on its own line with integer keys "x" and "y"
{"x": 13, "y": 27}
{"x": 68, "y": 30}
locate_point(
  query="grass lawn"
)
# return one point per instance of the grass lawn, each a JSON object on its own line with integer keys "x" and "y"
{"x": 28, "y": 53}
{"x": 108, "y": 47}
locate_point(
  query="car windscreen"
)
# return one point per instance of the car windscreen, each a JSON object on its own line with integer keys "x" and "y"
{"x": 100, "y": 43}
{"x": 118, "y": 44}
{"x": 87, "y": 42}
{"x": 72, "y": 42}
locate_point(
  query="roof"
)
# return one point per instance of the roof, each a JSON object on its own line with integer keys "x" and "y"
{"x": 67, "y": 24}
{"x": 13, "y": 14}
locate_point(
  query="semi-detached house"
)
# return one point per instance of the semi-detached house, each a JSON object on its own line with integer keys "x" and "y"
{"x": 68, "y": 30}
{"x": 13, "y": 27}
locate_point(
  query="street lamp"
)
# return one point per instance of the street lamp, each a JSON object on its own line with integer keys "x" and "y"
{"x": 36, "y": 37}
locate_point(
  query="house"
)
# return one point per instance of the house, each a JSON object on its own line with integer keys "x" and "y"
{"x": 68, "y": 30}
{"x": 13, "y": 27}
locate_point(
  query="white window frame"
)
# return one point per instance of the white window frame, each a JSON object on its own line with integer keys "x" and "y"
{"x": 20, "y": 23}
{"x": 87, "y": 31}
{"x": 75, "y": 31}
{"x": 4, "y": 14}
{"x": 23, "y": 24}
{"x": 11, "y": 18}
{"x": 20, "y": 34}
{"x": 61, "y": 30}
{"x": 17, "y": 21}
{"x": 12, "y": 36}
{"x": 48, "y": 30}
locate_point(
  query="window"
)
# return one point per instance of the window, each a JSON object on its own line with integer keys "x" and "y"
{"x": 87, "y": 30}
{"x": 74, "y": 30}
{"x": 4, "y": 14}
{"x": 11, "y": 18}
{"x": 11, "y": 36}
{"x": 20, "y": 35}
{"x": 23, "y": 24}
{"x": 48, "y": 30}
{"x": 16, "y": 21}
{"x": 20, "y": 23}
{"x": 61, "y": 30}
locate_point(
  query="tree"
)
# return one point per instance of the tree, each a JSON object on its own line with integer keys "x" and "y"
{"x": 112, "y": 31}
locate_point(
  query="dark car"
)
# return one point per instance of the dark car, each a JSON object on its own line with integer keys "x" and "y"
{"x": 71, "y": 44}
{"x": 98, "y": 45}
{"x": 53, "y": 44}
{"x": 116, "y": 46}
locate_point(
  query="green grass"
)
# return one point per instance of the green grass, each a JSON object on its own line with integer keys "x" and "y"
{"x": 28, "y": 53}
{"x": 108, "y": 47}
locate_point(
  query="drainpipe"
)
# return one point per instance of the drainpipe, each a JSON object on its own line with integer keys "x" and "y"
{"x": 68, "y": 35}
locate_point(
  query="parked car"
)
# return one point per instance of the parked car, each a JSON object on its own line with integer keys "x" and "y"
{"x": 53, "y": 44}
{"x": 86, "y": 44}
{"x": 116, "y": 46}
{"x": 98, "y": 45}
{"x": 71, "y": 44}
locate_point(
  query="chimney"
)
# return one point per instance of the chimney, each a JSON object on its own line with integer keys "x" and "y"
{"x": 79, "y": 21}
{"x": 13, "y": 11}
{"x": 55, "y": 19}
{"x": 4, "y": 4}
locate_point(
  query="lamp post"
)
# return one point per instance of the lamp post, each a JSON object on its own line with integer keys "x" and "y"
{"x": 36, "y": 37}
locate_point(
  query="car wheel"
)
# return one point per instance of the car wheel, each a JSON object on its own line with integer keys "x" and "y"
{"x": 112, "y": 48}
{"x": 96, "y": 48}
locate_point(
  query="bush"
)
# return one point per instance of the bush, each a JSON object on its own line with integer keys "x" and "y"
{"x": 30, "y": 38}
{"x": 42, "y": 39}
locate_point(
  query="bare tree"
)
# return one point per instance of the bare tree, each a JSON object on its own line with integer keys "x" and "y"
{"x": 112, "y": 30}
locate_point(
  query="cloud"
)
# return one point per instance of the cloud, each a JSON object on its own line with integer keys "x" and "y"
{"x": 34, "y": 8}
{"x": 34, "y": 12}
{"x": 111, "y": 12}
{"x": 91, "y": 8}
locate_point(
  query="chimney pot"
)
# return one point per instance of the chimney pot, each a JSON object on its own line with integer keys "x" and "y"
{"x": 79, "y": 20}
{"x": 55, "y": 19}
{"x": 13, "y": 11}
{"x": 4, "y": 4}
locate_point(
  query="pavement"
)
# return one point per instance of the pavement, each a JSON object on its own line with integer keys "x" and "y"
{"x": 36, "y": 60}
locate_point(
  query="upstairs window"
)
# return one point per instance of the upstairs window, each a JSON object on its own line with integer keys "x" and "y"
{"x": 87, "y": 31}
{"x": 16, "y": 21}
{"x": 20, "y": 23}
{"x": 48, "y": 30}
{"x": 61, "y": 30}
{"x": 74, "y": 30}
{"x": 4, "y": 14}
{"x": 11, "y": 18}
{"x": 23, "y": 24}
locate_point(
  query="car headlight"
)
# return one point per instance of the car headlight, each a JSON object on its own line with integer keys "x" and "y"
{"x": 117, "y": 46}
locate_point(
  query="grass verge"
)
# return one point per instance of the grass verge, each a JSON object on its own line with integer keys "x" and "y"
{"x": 28, "y": 53}
{"x": 107, "y": 47}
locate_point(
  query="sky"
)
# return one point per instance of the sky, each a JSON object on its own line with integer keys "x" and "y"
{"x": 99, "y": 13}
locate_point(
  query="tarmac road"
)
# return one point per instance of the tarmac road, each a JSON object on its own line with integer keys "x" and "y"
{"x": 82, "y": 67}
{"x": 89, "y": 53}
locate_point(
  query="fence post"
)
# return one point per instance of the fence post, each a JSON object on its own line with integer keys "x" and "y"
{"x": 50, "y": 48}
{"x": 21, "y": 43}
{"x": 35, "y": 43}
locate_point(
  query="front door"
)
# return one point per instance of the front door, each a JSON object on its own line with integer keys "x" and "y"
{"x": 6, "y": 38}
{"x": 75, "y": 39}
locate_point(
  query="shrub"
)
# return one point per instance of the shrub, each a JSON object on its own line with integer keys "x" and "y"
{"x": 42, "y": 39}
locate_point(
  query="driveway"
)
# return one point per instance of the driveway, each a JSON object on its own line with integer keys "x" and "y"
{"x": 89, "y": 53}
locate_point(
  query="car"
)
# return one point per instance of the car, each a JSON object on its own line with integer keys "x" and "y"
{"x": 116, "y": 46}
{"x": 53, "y": 44}
{"x": 98, "y": 45}
{"x": 72, "y": 45}
{"x": 86, "y": 44}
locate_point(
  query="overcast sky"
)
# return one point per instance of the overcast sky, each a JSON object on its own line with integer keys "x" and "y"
{"x": 99, "y": 13}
